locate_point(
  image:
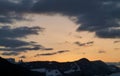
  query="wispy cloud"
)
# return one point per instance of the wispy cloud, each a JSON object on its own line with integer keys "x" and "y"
{"x": 63, "y": 51}
{"x": 52, "y": 53}
{"x": 10, "y": 53}
{"x": 45, "y": 54}
{"x": 84, "y": 44}
{"x": 47, "y": 49}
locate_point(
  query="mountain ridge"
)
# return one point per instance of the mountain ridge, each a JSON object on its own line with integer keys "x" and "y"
{"x": 81, "y": 67}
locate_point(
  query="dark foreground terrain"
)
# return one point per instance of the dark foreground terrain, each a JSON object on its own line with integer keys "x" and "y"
{"x": 82, "y": 67}
{"x": 9, "y": 69}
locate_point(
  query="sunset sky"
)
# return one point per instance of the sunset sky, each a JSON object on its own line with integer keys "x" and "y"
{"x": 60, "y": 30}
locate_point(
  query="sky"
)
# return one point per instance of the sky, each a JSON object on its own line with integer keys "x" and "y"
{"x": 60, "y": 30}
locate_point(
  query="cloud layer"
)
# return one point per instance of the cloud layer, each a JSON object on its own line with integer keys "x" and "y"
{"x": 10, "y": 39}
{"x": 99, "y": 16}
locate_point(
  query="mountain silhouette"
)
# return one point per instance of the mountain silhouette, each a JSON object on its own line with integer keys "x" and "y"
{"x": 82, "y": 67}
{"x": 90, "y": 68}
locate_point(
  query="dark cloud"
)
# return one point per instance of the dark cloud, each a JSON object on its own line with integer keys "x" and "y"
{"x": 10, "y": 53}
{"x": 19, "y": 32}
{"x": 79, "y": 44}
{"x": 48, "y": 49}
{"x": 45, "y": 54}
{"x": 108, "y": 33}
{"x": 89, "y": 43}
{"x": 22, "y": 49}
{"x": 23, "y": 57}
{"x": 84, "y": 44}
{"x": 92, "y": 15}
{"x": 63, "y": 51}
{"x": 13, "y": 43}
{"x": 101, "y": 51}
{"x": 11, "y": 10}
{"x": 53, "y": 53}
{"x": 9, "y": 38}
{"x": 99, "y": 16}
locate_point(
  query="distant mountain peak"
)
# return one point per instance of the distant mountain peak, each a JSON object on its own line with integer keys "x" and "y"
{"x": 84, "y": 59}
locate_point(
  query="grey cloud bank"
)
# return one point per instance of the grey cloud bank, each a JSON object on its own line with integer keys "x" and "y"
{"x": 99, "y": 16}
